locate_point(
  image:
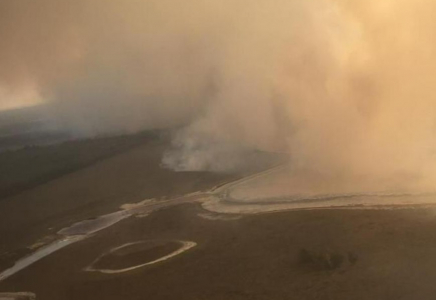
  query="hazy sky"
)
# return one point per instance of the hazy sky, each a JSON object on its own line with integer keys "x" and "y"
{"x": 344, "y": 86}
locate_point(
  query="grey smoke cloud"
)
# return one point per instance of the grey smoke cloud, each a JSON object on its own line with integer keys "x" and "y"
{"x": 345, "y": 87}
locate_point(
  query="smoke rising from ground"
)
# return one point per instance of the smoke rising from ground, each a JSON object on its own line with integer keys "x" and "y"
{"x": 345, "y": 87}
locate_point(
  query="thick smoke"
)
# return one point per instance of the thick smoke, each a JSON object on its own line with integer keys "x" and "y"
{"x": 345, "y": 87}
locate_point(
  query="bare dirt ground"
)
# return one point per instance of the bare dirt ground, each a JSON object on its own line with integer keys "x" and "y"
{"x": 82, "y": 180}
{"x": 246, "y": 257}
{"x": 255, "y": 257}
{"x": 34, "y": 165}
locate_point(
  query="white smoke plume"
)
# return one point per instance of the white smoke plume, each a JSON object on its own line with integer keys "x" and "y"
{"x": 344, "y": 86}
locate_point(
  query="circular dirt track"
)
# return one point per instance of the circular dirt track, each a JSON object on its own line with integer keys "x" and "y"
{"x": 136, "y": 255}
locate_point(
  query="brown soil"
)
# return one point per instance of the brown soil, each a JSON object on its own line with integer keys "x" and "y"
{"x": 255, "y": 257}
{"x": 32, "y": 166}
{"x": 99, "y": 187}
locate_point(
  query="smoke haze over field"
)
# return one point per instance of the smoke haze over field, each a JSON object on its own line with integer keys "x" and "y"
{"x": 344, "y": 86}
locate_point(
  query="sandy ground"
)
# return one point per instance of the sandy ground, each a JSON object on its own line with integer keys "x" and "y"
{"x": 236, "y": 257}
